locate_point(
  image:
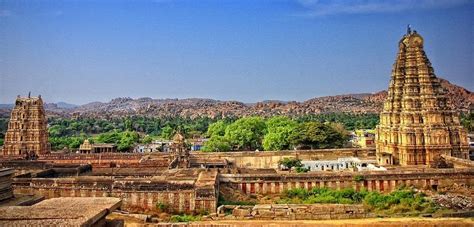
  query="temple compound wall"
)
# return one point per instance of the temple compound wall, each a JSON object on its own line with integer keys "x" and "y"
{"x": 294, "y": 211}
{"x": 459, "y": 162}
{"x": 106, "y": 160}
{"x": 136, "y": 194}
{"x": 270, "y": 159}
{"x": 6, "y": 189}
{"x": 246, "y": 159}
{"x": 371, "y": 181}
{"x": 199, "y": 192}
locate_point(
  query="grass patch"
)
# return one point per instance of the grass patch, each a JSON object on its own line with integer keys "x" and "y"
{"x": 223, "y": 201}
{"x": 184, "y": 218}
{"x": 402, "y": 200}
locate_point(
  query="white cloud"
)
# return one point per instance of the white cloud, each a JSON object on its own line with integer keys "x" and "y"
{"x": 326, "y": 7}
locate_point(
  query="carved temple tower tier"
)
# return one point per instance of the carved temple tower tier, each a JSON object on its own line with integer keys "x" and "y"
{"x": 179, "y": 154}
{"x": 416, "y": 123}
{"x": 27, "y": 134}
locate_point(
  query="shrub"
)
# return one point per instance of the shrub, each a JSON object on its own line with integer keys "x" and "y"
{"x": 290, "y": 163}
{"x": 297, "y": 192}
{"x": 402, "y": 200}
{"x": 223, "y": 201}
{"x": 300, "y": 169}
{"x": 184, "y": 218}
{"x": 163, "y": 207}
{"x": 359, "y": 178}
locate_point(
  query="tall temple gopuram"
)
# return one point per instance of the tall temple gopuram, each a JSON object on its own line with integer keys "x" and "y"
{"x": 416, "y": 124}
{"x": 27, "y": 134}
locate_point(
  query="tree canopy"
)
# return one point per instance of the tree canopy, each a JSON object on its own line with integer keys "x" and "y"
{"x": 246, "y": 133}
{"x": 279, "y": 129}
{"x": 315, "y": 135}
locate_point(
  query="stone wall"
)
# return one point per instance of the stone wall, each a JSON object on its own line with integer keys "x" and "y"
{"x": 245, "y": 159}
{"x": 372, "y": 181}
{"x": 136, "y": 194}
{"x": 105, "y": 160}
{"x": 459, "y": 162}
{"x": 6, "y": 190}
{"x": 270, "y": 159}
{"x": 292, "y": 212}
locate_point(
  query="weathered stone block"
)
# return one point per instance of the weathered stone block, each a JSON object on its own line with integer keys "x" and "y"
{"x": 241, "y": 212}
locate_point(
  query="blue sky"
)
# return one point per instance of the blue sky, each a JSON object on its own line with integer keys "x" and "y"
{"x": 245, "y": 50}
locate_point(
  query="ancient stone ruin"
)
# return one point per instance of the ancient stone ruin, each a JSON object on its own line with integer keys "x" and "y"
{"x": 27, "y": 134}
{"x": 416, "y": 124}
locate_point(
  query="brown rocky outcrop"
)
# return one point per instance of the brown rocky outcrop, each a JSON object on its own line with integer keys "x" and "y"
{"x": 459, "y": 99}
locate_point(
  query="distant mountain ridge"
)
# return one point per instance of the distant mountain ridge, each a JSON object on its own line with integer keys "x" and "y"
{"x": 460, "y": 99}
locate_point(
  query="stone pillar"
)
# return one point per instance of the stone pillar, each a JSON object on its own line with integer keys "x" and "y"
{"x": 133, "y": 198}
{"x": 408, "y": 182}
{"x": 192, "y": 200}
{"x": 426, "y": 183}
{"x": 181, "y": 202}
{"x": 170, "y": 200}
{"x": 394, "y": 185}
{"x": 386, "y": 186}
{"x": 417, "y": 183}
{"x": 377, "y": 185}
{"x": 272, "y": 188}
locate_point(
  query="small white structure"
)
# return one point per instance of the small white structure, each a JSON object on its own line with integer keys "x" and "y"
{"x": 155, "y": 146}
{"x": 349, "y": 163}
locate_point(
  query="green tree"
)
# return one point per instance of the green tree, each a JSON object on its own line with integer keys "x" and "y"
{"x": 217, "y": 129}
{"x": 167, "y": 132}
{"x": 123, "y": 140}
{"x": 279, "y": 129}
{"x": 147, "y": 139}
{"x": 246, "y": 133}
{"x": 290, "y": 162}
{"x": 127, "y": 140}
{"x": 128, "y": 124}
{"x": 216, "y": 144}
{"x": 315, "y": 135}
{"x": 467, "y": 121}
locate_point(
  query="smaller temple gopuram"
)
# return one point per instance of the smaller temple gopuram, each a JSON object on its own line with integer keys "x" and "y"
{"x": 27, "y": 134}
{"x": 179, "y": 154}
{"x": 417, "y": 125}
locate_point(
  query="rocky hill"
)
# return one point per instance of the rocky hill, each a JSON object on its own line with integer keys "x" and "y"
{"x": 460, "y": 99}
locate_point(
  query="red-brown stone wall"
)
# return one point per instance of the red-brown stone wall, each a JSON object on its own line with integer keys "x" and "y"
{"x": 178, "y": 198}
{"x": 379, "y": 181}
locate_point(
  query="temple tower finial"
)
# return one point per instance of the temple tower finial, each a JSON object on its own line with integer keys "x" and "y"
{"x": 408, "y": 29}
